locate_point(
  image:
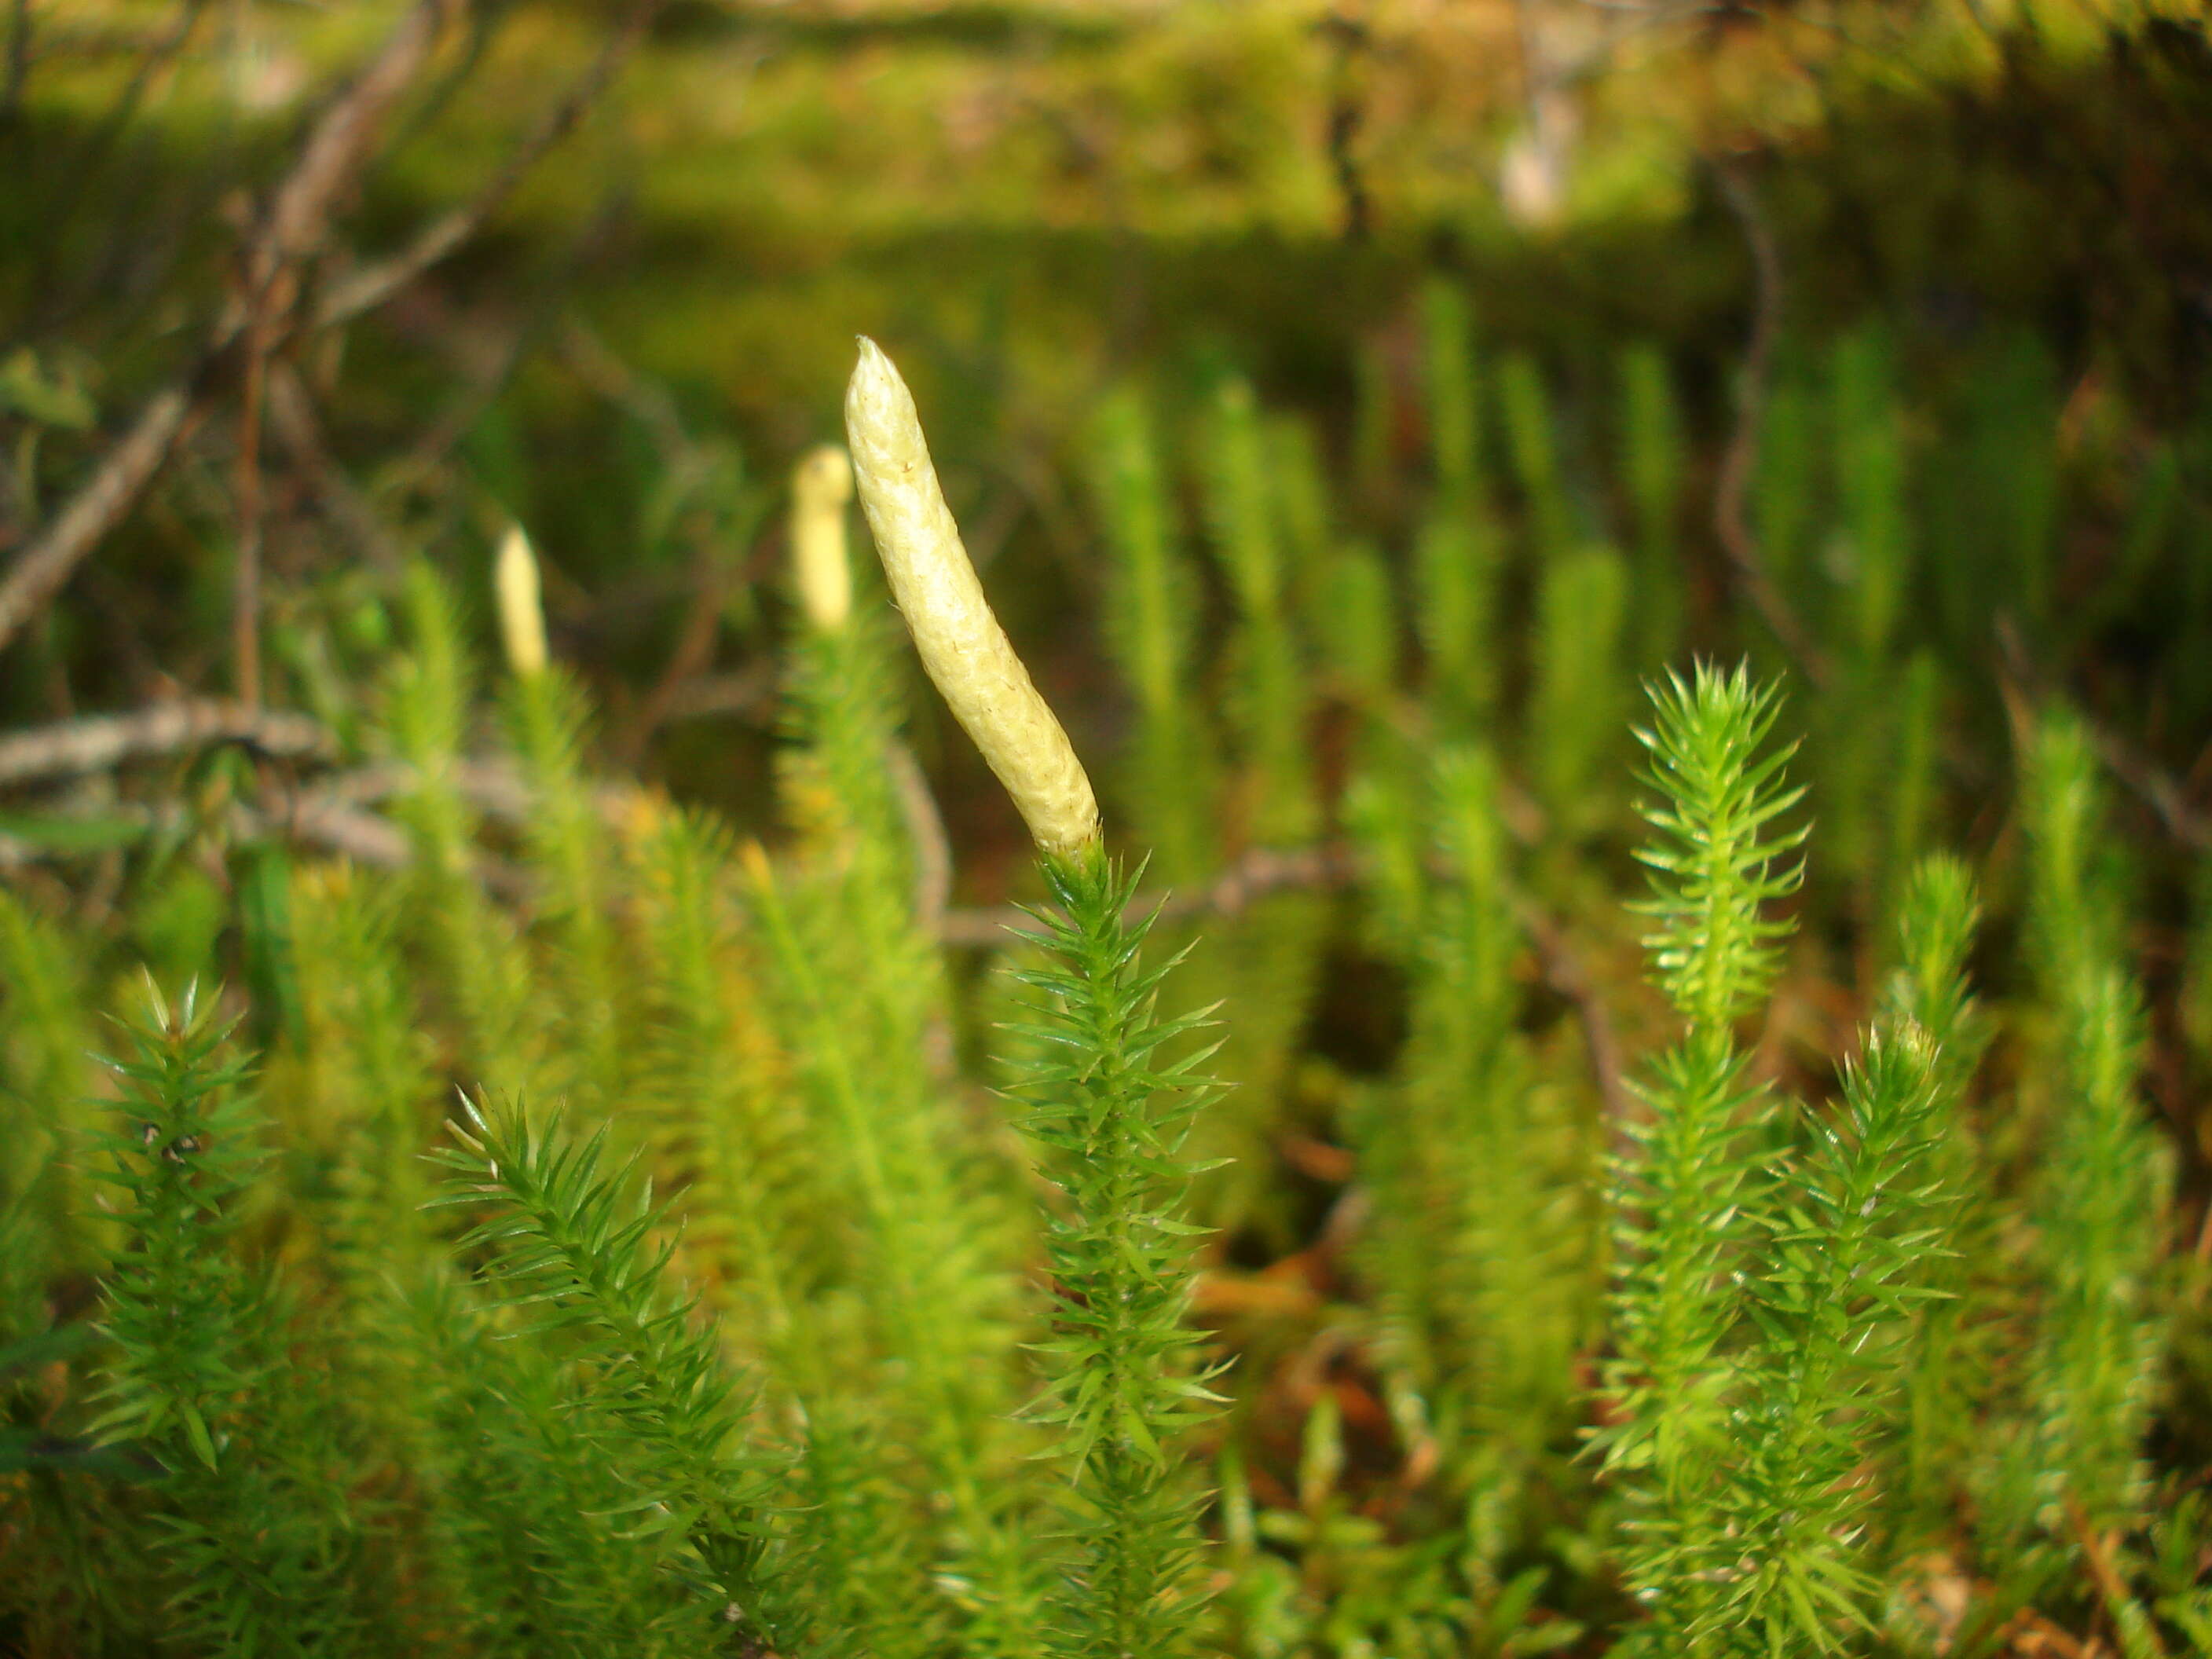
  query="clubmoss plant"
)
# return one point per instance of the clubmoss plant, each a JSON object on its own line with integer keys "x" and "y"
{"x": 1476, "y": 1240}
{"x": 1457, "y": 551}
{"x": 1784, "y": 491}
{"x": 1171, "y": 781}
{"x": 857, "y": 987}
{"x": 1533, "y": 446}
{"x": 254, "y": 1540}
{"x": 1109, "y": 1108}
{"x": 566, "y": 1240}
{"x": 1870, "y": 485}
{"x": 1844, "y": 1269}
{"x": 821, "y": 485}
{"x": 43, "y": 1042}
{"x": 1768, "y": 1291}
{"x": 1450, "y": 388}
{"x": 716, "y": 1082}
{"x": 1948, "y": 1363}
{"x": 472, "y": 942}
{"x": 363, "y": 1076}
{"x": 1306, "y": 530}
{"x": 1909, "y": 813}
{"x": 931, "y": 1303}
{"x": 1359, "y": 643}
{"x": 1871, "y": 559}
{"x": 1456, "y": 570}
{"x": 2071, "y": 1468}
{"x": 1264, "y": 967}
{"x": 1997, "y": 500}
{"x": 566, "y": 834}
{"x": 1691, "y": 1198}
{"x": 535, "y": 1544}
{"x": 1266, "y": 706}
{"x": 1575, "y": 718}
{"x": 1652, "y": 465}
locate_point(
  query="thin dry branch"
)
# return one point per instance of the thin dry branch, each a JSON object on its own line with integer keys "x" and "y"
{"x": 2096, "y": 1550}
{"x": 99, "y": 742}
{"x": 2159, "y": 791}
{"x": 1564, "y": 973}
{"x": 1265, "y": 871}
{"x": 2024, "y": 684}
{"x": 246, "y": 488}
{"x": 691, "y": 659}
{"x": 1741, "y": 458}
{"x": 322, "y": 819}
{"x": 330, "y": 161}
{"x": 292, "y": 417}
{"x": 298, "y": 209}
{"x": 1258, "y": 873}
{"x": 925, "y": 830}
{"x": 742, "y": 692}
{"x": 90, "y": 513}
{"x": 369, "y": 287}
{"x": 292, "y": 230}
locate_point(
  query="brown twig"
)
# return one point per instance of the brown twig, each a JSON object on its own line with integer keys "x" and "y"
{"x": 2023, "y": 685}
{"x": 332, "y": 158}
{"x": 486, "y": 374}
{"x": 292, "y": 417}
{"x": 2109, "y": 1587}
{"x": 245, "y": 572}
{"x": 259, "y": 312}
{"x": 2158, "y": 790}
{"x": 323, "y": 819}
{"x": 486, "y": 377}
{"x": 742, "y": 692}
{"x": 1741, "y": 458}
{"x": 362, "y": 837}
{"x": 289, "y": 231}
{"x": 1260, "y": 871}
{"x": 97, "y": 743}
{"x": 1264, "y": 871}
{"x": 19, "y": 59}
{"x": 594, "y": 362}
{"x": 925, "y": 829}
{"x": 90, "y": 513}
{"x": 371, "y": 286}
{"x": 693, "y": 656}
{"x": 1564, "y": 973}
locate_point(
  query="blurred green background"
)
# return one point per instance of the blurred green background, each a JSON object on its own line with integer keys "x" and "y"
{"x": 1025, "y": 202}
{"x": 1452, "y": 366}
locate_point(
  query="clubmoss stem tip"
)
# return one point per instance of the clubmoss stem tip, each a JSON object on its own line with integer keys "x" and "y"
{"x": 962, "y": 646}
{"x": 521, "y": 605}
{"x": 821, "y": 484}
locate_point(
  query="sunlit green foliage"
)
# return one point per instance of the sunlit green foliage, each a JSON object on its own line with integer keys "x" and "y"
{"x": 1767, "y": 1297}
{"x": 2072, "y": 1466}
{"x": 656, "y": 1405}
{"x": 888, "y": 1365}
{"x": 256, "y": 1542}
{"x": 1109, "y": 1104}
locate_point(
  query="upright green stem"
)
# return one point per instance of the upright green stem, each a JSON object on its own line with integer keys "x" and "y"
{"x": 916, "y": 1290}
{"x": 1110, "y": 1116}
{"x": 569, "y": 847}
